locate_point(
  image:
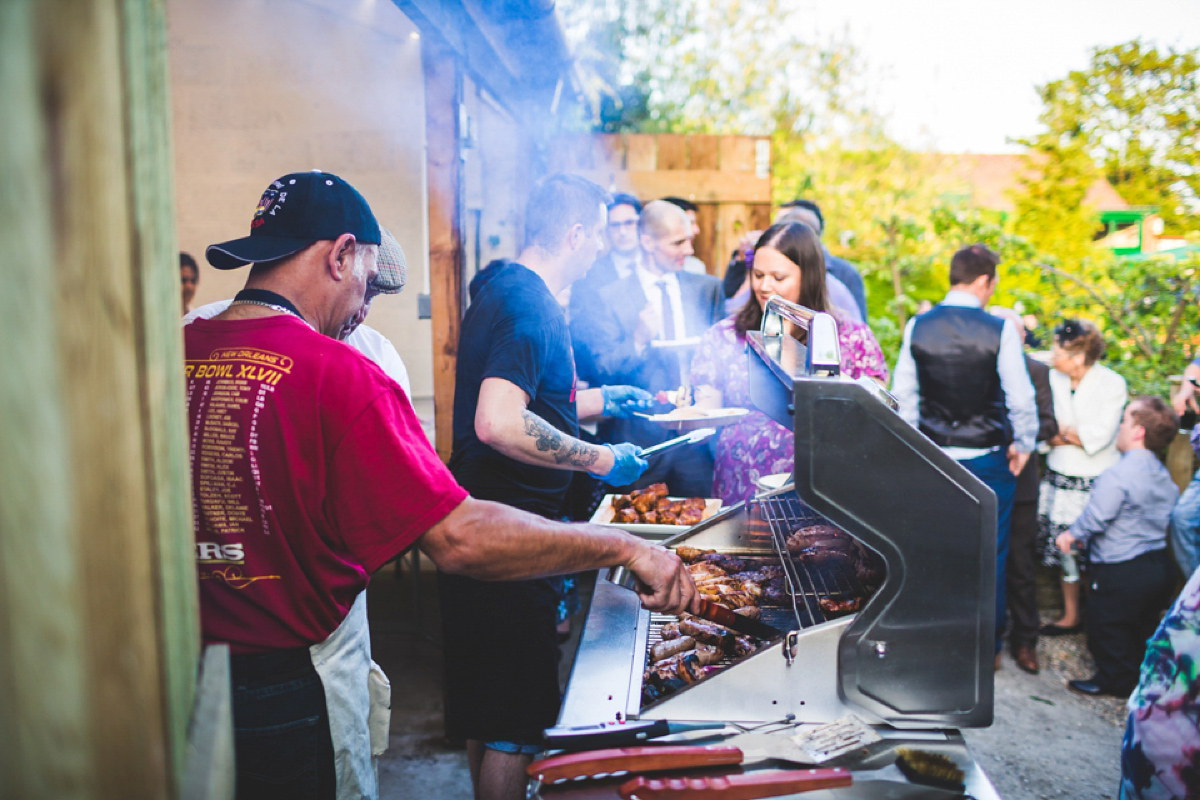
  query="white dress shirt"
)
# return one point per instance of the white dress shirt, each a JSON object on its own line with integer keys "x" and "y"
{"x": 624, "y": 264}
{"x": 1014, "y": 381}
{"x": 651, "y": 288}
{"x": 1094, "y": 410}
{"x": 368, "y": 341}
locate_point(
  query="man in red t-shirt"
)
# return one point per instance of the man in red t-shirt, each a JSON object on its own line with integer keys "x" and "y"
{"x": 310, "y": 471}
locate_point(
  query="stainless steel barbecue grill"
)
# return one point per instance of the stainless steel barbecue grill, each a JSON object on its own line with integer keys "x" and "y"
{"x": 919, "y": 652}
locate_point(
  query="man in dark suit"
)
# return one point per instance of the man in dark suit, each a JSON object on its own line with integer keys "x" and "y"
{"x": 623, "y": 254}
{"x": 1022, "y": 543}
{"x": 626, "y": 331}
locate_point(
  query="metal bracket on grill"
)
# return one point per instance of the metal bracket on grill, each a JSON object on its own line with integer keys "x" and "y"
{"x": 791, "y": 643}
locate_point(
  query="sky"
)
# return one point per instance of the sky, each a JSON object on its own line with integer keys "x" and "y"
{"x": 961, "y": 75}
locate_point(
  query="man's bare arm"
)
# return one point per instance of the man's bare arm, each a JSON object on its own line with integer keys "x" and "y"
{"x": 503, "y": 421}
{"x": 491, "y": 541}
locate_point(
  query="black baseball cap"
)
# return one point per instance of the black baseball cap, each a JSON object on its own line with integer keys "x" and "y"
{"x": 306, "y": 207}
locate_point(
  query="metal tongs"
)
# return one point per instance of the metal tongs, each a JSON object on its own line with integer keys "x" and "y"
{"x": 698, "y": 435}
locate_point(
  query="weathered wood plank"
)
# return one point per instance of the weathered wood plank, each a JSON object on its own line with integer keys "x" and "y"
{"x": 81, "y": 46}
{"x": 736, "y": 154}
{"x": 672, "y": 151}
{"x": 705, "y": 152}
{"x": 705, "y": 243}
{"x": 733, "y": 221}
{"x": 699, "y": 186}
{"x": 641, "y": 153}
{"x": 43, "y": 690}
{"x": 160, "y": 352}
{"x": 442, "y": 90}
{"x": 608, "y": 152}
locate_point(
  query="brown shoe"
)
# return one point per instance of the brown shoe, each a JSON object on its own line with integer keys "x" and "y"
{"x": 1026, "y": 658}
{"x": 997, "y": 661}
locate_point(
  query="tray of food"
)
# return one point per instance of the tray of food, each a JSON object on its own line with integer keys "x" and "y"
{"x": 650, "y": 513}
{"x": 690, "y": 418}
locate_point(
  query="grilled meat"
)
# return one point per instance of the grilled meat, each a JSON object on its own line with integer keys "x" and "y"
{"x": 707, "y": 633}
{"x": 744, "y": 645}
{"x": 775, "y": 591}
{"x": 831, "y": 606}
{"x": 669, "y": 631}
{"x": 728, "y": 563}
{"x": 690, "y": 555}
{"x": 627, "y": 515}
{"x": 670, "y": 647}
{"x": 706, "y": 572}
{"x": 749, "y": 612}
{"x": 809, "y": 535}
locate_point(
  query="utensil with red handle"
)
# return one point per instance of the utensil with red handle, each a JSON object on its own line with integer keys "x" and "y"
{"x": 626, "y": 760}
{"x": 735, "y": 787}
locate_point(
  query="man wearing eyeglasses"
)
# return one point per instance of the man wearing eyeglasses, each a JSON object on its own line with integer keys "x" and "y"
{"x": 619, "y": 262}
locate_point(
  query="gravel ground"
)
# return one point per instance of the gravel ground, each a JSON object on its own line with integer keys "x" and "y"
{"x": 1047, "y": 741}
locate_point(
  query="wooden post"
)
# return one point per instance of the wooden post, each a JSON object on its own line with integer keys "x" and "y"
{"x": 97, "y": 602}
{"x": 443, "y": 90}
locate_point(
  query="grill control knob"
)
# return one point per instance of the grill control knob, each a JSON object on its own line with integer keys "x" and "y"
{"x": 880, "y": 649}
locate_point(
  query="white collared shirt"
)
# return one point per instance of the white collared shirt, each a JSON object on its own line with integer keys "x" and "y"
{"x": 653, "y": 291}
{"x": 623, "y": 264}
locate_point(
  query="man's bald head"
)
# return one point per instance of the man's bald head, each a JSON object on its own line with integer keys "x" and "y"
{"x": 665, "y": 233}
{"x": 659, "y": 218}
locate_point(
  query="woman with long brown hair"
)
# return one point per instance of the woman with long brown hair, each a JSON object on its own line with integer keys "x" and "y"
{"x": 787, "y": 261}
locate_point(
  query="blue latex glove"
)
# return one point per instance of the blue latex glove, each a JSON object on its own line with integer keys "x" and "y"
{"x": 621, "y": 401}
{"x": 628, "y": 466}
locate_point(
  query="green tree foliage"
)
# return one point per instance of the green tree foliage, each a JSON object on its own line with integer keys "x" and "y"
{"x": 1136, "y": 111}
{"x": 705, "y": 66}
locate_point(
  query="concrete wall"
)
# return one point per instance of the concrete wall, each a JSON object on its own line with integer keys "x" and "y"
{"x": 261, "y": 88}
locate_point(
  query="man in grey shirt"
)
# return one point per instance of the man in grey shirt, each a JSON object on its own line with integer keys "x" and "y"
{"x": 1124, "y": 527}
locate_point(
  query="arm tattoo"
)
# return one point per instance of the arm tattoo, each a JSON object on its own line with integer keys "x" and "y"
{"x": 567, "y": 450}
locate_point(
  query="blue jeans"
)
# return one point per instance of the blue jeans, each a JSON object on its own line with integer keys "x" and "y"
{"x": 281, "y": 727}
{"x": 1185, "y": 528}
{"x": 992, "y": 469}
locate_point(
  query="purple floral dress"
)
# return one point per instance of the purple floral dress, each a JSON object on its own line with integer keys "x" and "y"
{"x": 759, "y": 446}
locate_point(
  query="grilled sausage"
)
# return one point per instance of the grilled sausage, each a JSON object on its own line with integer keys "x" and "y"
{"x": 669, "y": 647}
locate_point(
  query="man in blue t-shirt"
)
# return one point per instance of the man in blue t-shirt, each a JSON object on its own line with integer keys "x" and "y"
{"x": 516, "y": 426}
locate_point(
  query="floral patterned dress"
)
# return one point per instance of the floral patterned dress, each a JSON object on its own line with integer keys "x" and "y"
{"x": 758, "y": 446}
{"x": 1160, "y": 755}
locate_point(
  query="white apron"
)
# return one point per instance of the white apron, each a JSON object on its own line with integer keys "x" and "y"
{"x": 358, "y": 698}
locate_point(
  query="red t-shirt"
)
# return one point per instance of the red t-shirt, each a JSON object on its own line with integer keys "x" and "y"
{"x": 309, "y": 472}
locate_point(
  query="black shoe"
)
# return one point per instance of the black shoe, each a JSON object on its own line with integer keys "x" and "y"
{"x": 1051, "y": 629}
{"x": 1093, "y": 689}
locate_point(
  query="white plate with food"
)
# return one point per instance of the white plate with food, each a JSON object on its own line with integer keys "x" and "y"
{"x": 613, "y": 504}
{"x": 689, "y": 418}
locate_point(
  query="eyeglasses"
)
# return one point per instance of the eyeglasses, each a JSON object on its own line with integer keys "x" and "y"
{"x": 629, "y": 223}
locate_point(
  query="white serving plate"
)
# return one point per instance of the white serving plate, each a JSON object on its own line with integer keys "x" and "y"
{"x": 711, "y": 418}
{"x": 605, "y": 513}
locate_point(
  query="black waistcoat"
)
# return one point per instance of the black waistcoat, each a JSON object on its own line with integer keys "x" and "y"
{"x": 956, "y": 350}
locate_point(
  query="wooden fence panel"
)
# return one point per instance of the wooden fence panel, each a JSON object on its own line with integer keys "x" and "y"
{"x": 725, "y": 176}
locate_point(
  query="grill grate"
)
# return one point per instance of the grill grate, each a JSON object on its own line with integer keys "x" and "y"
{"x": 781, "y": 515}
{"x": 768, "y": 523}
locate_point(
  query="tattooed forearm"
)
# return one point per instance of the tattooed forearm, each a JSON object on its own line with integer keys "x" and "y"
{"x": 577, "y": 454}
{"x": 566, "y": 449}
{"x": 548, "y": 438}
